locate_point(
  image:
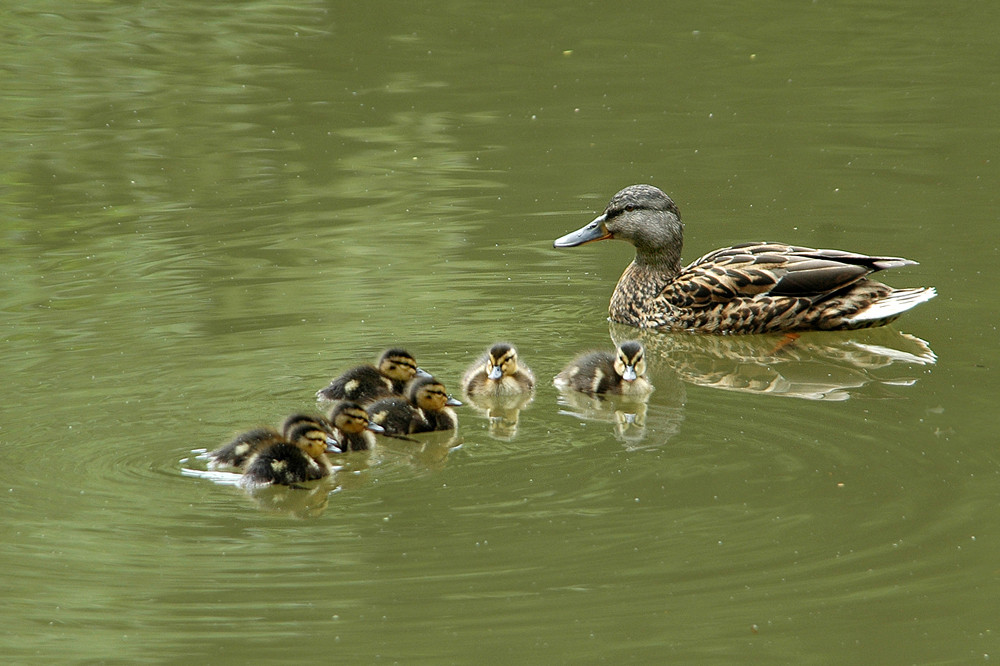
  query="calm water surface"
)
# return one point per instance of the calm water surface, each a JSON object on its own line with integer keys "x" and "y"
{"x": 209, "y": 210}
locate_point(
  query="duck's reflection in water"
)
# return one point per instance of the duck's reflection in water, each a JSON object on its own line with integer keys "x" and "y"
{"x": 502, "y": 412}
{"x": 811, "y": 366}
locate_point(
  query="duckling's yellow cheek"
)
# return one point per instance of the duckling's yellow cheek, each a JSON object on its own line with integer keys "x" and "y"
{"x": 242, "y": 449}
{"x": 403, "y": 371}
{"x": 278, "y": 466}
{"x": 351, "y": 386}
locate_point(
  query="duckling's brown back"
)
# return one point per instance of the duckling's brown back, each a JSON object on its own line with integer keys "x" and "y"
{"x": 396, "y": 415}
{"x": 363, "y": 384}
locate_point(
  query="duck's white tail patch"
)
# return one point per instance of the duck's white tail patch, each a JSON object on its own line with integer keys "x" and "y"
{"x": 893, "y": 305}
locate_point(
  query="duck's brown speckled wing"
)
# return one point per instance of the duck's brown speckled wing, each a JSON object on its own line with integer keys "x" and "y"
{"x": 762, "y": 287}
{"x": 770, "y": 269}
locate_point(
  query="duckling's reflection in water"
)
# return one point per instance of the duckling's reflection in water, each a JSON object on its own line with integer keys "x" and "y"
{"x": 502, "y": 412}
{"x": 304, "y": 501}
{"x": 351, "y": 471}
{"x": 425, "y": 451}
{"x": 810, "y": 366}
{"x": 628, "y": 414}
{"x": 612, "y": 386}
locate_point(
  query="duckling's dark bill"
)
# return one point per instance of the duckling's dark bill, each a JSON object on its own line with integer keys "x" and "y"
{"x": 594, "y": 231}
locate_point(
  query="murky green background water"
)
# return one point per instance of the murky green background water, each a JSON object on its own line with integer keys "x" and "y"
{"x": 207, "y": 210}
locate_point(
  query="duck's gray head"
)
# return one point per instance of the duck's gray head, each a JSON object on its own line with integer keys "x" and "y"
{"x": 642, "y": 215}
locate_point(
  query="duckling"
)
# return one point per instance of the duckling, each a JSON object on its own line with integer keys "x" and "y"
{"x": 298, "y": 419}
{"x": 427, "y": 408}
{"x": 497, "y": 372}
{"x": 352, "y": 427}
{"x": 394, "y": 415}
{"x": 749, "y": 288}
{"x": 235, "y": 453}
{"x": 433, "y": 401}
{"x": 367, "y": 383}
{"x": 623, "y": 372}
{"x": 301, "y": 457}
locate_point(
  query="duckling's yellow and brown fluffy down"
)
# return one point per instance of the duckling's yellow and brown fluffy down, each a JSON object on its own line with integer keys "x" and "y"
{"x": 622, "y": 372}
{"x": 299, "y": 458}
{"x": 235, "y": 453}
{"x": 367, "y": 383}
{"x": 426, "y": 408}
{"x": 352, "y": 428}
{"x": 750, "y": 288}
{"x": 498, "y": 372}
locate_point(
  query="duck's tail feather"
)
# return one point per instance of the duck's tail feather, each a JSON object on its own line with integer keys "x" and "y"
{"x": 893, "y": 305}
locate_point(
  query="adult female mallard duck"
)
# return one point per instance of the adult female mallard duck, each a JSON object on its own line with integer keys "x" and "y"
{"x": 367, "y": 383}
{"x": 236, "y": 452}
{"x": 352, "y": 427}
{"x": 301, "y": 457}
{"x": 749, "y": 288}
{"x": 426, "y": 408}
{"x": 498, "y": 373}
{"x": 622, "y": 372}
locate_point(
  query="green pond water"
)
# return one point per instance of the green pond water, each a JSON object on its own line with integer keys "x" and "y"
{"x": 209, "y": 209}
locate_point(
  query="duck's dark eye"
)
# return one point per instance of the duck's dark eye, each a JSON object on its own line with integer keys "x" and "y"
{"x": 629, "y": 208}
